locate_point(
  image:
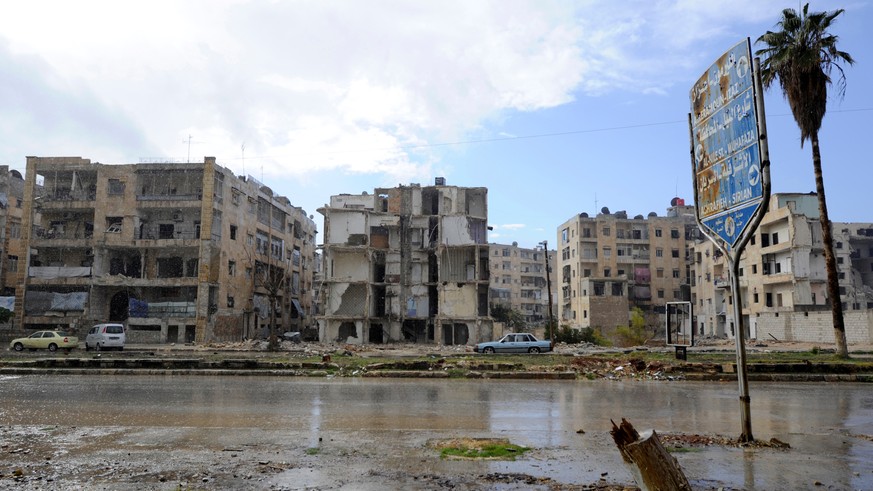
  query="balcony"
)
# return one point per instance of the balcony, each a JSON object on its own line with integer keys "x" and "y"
{"x": 60, "y": 233}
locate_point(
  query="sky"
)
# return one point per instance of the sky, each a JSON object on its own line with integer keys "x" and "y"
{"x": 556, "y": 107}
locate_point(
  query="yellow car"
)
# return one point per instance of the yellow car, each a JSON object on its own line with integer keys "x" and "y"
{"x": 50, "y": 340}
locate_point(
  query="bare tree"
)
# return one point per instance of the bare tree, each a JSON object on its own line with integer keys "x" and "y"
{"x": 273, "y": 280}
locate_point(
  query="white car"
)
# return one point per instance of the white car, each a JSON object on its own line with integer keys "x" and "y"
{"x": 106, "y": 336}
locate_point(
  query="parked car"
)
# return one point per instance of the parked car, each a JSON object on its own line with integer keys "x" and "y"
{"x": 50, "y": 340}
{"x": 515, "y": 343}
{"x": 106, "y": 336}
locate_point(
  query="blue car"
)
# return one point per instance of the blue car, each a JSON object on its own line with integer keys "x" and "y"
{"x": 515, "y": 343}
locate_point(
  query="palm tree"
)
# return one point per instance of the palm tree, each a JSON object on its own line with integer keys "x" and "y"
{"x": 802, "y": 56}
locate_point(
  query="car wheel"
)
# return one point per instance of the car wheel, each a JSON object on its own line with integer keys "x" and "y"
{"x": 488, "y": 349}
{"x": 97, "y": 347}
{"x": 87, "y": 348}
{"x": 53, "y": 347}
{"x": 18, "y": 347}
{"x": 533, "y": 349}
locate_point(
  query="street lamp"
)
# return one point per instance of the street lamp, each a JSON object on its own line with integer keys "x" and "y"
{"x": 545, "y": 245}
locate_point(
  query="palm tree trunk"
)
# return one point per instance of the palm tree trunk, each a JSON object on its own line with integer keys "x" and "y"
{"x": 830, "y": 260}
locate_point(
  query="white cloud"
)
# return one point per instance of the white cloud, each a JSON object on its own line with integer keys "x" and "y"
{"x": 333, "y": 86}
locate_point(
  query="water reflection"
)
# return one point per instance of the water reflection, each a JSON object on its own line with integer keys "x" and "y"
{"x": 395, "y": 415}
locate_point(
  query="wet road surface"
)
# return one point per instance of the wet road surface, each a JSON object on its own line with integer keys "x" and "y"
{"x": 129, "y": 432}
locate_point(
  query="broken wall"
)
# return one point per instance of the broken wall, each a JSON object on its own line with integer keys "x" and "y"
{"x": 456, "y": 230}
{"x": 349, "y": 267}
{"x": 347, "y": 228}
{"x": 458, "y": 264}
{"x": 477, "y": 202}
{"x": 345, "y": 299}
{"x": 459, "y": 301}
{"x": 364, "y": 201}
{"x": 343, "y": 331}
{"x": 417, "y": 302}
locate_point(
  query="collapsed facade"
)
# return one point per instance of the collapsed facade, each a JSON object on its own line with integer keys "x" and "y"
{"x": 179, "y": 252}
{"x": 408, "y": 263}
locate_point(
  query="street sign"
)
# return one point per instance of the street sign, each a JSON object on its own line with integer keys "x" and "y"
{"x": 727, "y": 158}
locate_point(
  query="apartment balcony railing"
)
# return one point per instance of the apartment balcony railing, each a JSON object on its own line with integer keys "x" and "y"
{"x": 67, "y": 195}
{"x": 51, "y": 233}
{"x": 154, "y": 234}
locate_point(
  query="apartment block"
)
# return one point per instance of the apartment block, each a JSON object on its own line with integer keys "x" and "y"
{"x": 610, "y": 263}
{"x": 783, "y": 278}
{"x": 519, "y": 280}
{"x": 182, "y": 252}
{"x": 409, "y": 263}
{"x": 11, "y": 246}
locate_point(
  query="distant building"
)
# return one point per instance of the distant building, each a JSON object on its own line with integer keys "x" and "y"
{"x": 11, "y": 246}
{"x": 783, "y": 279}
{"x": 519, "y": 281}
{"x": 407, "y": 263}
{"x": 178, "y": 252}
{"x": 610, "y": 263}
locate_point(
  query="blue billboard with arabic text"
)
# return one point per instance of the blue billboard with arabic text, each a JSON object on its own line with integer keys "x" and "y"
{"x": 726, "y": 153}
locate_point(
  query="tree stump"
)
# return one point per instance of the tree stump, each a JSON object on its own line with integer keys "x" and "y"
{"x": 653, "y": 468}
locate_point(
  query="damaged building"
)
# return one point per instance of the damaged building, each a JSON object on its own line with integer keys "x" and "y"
{"x": 611, "y": 263}
{"x": 11, "y": 246}
{"x": 783, "y": 278}
{"x": 519, "y": 281}
{"x": 409, "y": 263}
{"x": 181, "y": 252}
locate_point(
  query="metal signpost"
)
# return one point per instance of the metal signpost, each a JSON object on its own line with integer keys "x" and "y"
{"x": 731, "y": 171}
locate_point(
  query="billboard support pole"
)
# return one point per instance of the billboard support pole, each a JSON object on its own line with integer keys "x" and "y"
{"x": 740, "y": 337}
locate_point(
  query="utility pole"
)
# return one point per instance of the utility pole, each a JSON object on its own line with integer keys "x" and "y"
{"x": 545, "y": 244}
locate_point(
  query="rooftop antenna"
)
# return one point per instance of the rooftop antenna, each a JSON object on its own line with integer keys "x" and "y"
{"x": 243, "y": 148}
{"x": 188, "y": 141}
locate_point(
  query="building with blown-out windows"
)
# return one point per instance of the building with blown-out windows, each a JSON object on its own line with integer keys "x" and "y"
{"x": 181, "y": 252}
{"x": 409, "y": 263}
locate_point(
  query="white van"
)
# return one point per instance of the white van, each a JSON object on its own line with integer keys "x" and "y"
{"x": 106, "y": 336}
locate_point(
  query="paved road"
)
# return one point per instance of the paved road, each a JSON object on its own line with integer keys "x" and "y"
{"x": 372, "y": 434}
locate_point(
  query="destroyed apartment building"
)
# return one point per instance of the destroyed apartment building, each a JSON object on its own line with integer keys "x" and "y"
{"x": 409, "y": 263}
{"x": 179, "y": 252}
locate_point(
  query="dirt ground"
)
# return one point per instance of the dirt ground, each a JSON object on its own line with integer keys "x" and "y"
{"x": 58, "y": 457}
{"x": 412, "y": 350}
{"x": 123, "y": 458}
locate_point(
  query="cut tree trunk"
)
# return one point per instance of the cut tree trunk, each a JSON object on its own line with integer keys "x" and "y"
{"x": 653, "y": 468}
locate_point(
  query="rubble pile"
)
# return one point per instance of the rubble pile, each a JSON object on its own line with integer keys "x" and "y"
{"x": 681, "y": 440}
{"x": 636, "y": 369}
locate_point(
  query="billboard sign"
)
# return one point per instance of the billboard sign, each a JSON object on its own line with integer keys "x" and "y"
{"x": 726, "y": 152}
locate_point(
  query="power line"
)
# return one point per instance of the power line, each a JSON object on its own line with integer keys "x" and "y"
{"x": 517, "y": 137}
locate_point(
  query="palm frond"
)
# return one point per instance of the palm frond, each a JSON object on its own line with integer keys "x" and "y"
{"x": 801, "y": 56}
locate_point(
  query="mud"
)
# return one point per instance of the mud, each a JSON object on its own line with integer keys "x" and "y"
{"x": 183, "y": 432}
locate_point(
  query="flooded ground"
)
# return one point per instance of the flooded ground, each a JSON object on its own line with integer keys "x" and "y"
{"x": 166, "y": 432}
